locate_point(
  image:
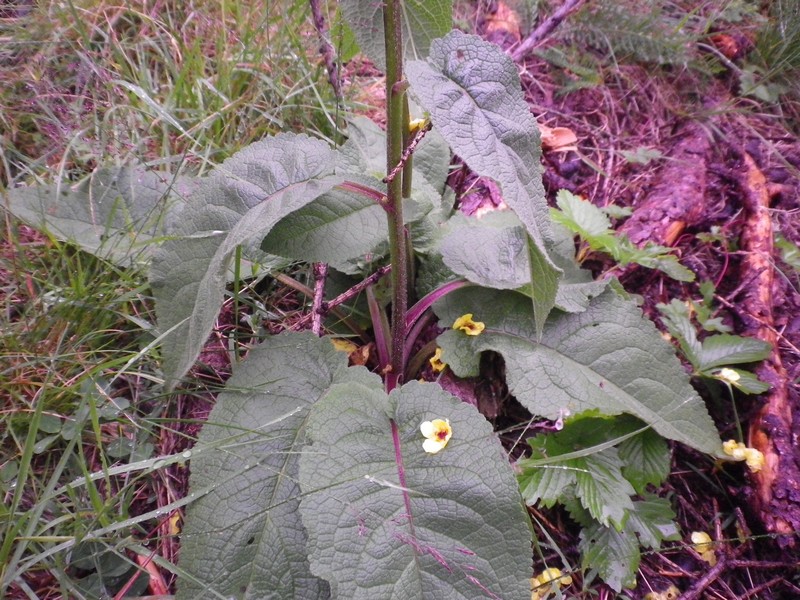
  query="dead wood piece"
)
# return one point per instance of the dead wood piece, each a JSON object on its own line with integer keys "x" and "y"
{"x": 677, "y": 198}
{"x": 778, "y": 483}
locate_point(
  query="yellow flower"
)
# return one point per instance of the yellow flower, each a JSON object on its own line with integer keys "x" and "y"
{"x": 468, "y": 326}
{"x": 438, "y": 432}
{"x": 752, "y": 457}
{"x": 415, "y": 125}
{"x": 539, "y": 584}
{"x": 728, "y": 375}
{"x": 436, "y": 361}
{"x": 704, "y": 546}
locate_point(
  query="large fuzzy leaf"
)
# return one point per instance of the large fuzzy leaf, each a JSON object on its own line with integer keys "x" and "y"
{"x": 341, "y": 226}
{"x": 116, "y": 213}
{"x": 241, "y": 201}
{"x": 472, "y": 91}
{"x": 422, "y": 22}
{"x": 244, "y": 538}
{"x": 387, "y": 520}
{"x": 608, "y": 358}
{"x": 492, "y": 251}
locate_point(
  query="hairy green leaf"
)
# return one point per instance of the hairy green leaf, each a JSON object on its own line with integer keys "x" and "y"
{"x": 116, "y": 213}
{"x": 244, "y": 538}
{"x": 241, "y": 201}
{"x": 341, "y": 225}
{"x": 491, "y": 251}
{"x": 388, "y": 520}
{"x": 471, "y": 90}
{"x": 422, "y": 22}
{"x": 608, "y": 358}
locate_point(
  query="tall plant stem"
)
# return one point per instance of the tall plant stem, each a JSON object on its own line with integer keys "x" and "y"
{"x": 395, "y": 127}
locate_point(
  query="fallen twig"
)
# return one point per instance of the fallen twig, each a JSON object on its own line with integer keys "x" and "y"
{"x": 545, "y": 28}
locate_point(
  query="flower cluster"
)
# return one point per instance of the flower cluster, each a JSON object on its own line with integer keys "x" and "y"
{"x": 552, "y": 576}
{"x": 754, "y": 458}
{"x": 704, "y": 546}
{"x": 437, "y": 433}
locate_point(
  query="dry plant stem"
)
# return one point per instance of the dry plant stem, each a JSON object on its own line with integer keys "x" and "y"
{"x": 320, "y": 274}
{"x": 345, "y": 296}
{"x": 778, "y": 483}
{"x": 545, "y": 28}
{"x": 395, "y": 92}
{"x": 326, "y": 49}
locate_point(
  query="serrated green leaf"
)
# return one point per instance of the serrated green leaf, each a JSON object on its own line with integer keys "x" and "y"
{"x": 647, "y": 460}
{"x": 580, "y": 216}
{"x": 388, "y": 520}
{"x": 613, "y": 554}
{"x": 547, "y": 483}
{"x": 603, "y": 490}
{"x": 725, "y": 349}
{"x": 241, "y": 201}
{"x": 243, "y": 538}
{"x": 422, "y": 22}
{"x": 747, "y": 383}
{"x": 653, "y": 520}
{"x": 677, "y": 321}
{"x": 608, "y": 358}
{"x": 592, "y": 225}
{"x": 472, "y": 91}
{"x": 116, "y": 213}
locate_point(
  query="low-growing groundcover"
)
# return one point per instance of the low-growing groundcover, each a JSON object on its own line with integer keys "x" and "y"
{"x": 312, "y": 478}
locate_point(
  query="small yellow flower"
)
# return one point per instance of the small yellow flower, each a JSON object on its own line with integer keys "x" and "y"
{"x": 438, "y": 432}
{"x": 468, "y": 326}
{"x": 728, "y": 375}
{"x": 752, "y": 457}
{"x": 436, "y": 361}
{"x": 539, "y": 584}
{"x": 415, "y": 125}
{"x": 704, "y": 546}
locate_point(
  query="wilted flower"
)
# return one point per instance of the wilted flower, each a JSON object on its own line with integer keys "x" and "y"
{"x": 704, "y": 546}
{"x": 539, "y": 587}
{"x": 438, "y": 432}
{"x": 468, "y": 326}
{"x": 436, "y": 361}
{"x": 752, "y": 457}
